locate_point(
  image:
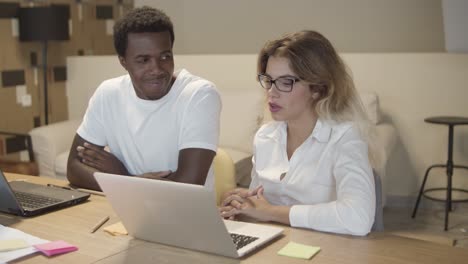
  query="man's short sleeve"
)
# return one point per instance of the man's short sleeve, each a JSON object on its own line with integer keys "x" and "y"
{"x": 92, "y": 127}
{"x": 200, "y": 128}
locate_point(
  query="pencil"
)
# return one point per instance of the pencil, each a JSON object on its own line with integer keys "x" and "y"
{"x": 101, "y": 223}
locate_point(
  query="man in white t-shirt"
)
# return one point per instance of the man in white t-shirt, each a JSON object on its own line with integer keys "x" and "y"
{"x": 157, "y": 123}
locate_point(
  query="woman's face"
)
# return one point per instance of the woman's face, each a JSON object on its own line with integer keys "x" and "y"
{"x": 295, "y": 105}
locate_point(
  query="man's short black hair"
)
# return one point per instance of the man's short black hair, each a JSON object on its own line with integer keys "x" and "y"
{"x": 140, "y": 20}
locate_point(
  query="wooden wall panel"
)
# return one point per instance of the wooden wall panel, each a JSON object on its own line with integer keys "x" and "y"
{"x": 58, "y": 105}
{"x": 88, "y": 35}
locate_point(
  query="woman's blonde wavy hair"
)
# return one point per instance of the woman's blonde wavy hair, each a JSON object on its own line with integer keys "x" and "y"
{"x": 314, "y": 59}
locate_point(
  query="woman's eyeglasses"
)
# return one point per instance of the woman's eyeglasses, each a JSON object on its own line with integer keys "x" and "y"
{"x": 283, "y": 84}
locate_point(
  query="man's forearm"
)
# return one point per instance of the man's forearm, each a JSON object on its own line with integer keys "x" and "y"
{"x": 186, "y": 178}
{"x": 193, "y": 166}
{"x": 81, "y": 175}
{"x": 169, "y": 176}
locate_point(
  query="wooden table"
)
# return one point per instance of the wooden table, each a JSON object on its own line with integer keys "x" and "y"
{"x": 73, "y": 225}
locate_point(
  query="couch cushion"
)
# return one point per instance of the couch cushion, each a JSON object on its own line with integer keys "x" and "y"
{"x": 61, "y": 164}
{"x": 51, "y": 140}
{"x": 370, "y": 102}
{"x": 244, "y": 171}
{"x": 243, "y": 165}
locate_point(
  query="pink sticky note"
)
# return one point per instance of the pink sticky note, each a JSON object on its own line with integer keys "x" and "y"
{"x": 55, "y": 247}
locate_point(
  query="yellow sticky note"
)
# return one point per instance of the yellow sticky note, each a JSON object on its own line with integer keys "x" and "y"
{"x": 297, "y": 250}
{"x": 116, "y": 229}
{"x": 12, "y": 244}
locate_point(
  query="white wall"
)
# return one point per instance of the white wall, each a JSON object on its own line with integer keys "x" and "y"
{"x": 410, "y": 86}
{"x": 455, "y": 13}
{"x": 243, "y": 26}
{"x": 91, "y": 74}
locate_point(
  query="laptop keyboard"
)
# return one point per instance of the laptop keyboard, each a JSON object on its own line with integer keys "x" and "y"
{"x": 242, "y": 240}
{"x": 33, "y": 201}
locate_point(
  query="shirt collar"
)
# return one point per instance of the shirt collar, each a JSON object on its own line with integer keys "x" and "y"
{"x": 321, "y": 132}
{"x": 278, "y": 132}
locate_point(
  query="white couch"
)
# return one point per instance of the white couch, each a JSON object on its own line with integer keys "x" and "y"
{"x": 242, "y": 97}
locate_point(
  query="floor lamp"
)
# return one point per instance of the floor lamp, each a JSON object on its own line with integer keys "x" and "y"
{"x": 44, "y": 23}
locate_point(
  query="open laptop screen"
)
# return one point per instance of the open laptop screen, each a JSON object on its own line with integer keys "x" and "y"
{"x": 28, "y": 199}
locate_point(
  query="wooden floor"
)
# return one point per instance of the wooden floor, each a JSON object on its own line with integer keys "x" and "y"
{"x": 429, "y": 224}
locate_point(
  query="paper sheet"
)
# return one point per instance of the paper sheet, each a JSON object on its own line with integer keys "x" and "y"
{"x": 297, "y": 250}
{"x": 116, "y": 229}
{"x": 12, "y": 244}
{"x": 7, "y": 233}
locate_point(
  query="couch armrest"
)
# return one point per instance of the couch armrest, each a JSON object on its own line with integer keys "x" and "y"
{"x": 49, "y": 141}
{"x": 386, "y": 141}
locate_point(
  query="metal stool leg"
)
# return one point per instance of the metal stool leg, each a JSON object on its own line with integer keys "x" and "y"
{"x": 421, "y": 190}
{"x": 448, "y": 202}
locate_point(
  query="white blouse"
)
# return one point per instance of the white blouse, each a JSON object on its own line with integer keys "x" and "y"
{"x": 328, "y": 181}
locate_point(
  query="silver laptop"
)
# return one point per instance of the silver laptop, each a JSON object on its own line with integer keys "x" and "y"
{"x": 30, "y": 199}
{"x": 182, "y": 215}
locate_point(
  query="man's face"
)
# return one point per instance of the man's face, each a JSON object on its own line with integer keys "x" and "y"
{"x": 150, "y": 63}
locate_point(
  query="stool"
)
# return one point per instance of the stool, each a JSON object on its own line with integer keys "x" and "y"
{"x": 451, "y": 121}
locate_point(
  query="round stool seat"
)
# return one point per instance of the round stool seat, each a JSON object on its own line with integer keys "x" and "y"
{"x": 447, "y": 120}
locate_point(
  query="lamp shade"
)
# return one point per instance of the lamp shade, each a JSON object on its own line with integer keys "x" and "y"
{"x": 44, "y": 23}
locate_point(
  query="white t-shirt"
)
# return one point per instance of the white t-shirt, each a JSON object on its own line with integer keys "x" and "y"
{"x": 328, "y": 180}
{"x": 148, "y": 135}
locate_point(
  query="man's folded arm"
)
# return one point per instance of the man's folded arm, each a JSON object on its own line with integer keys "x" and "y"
{"x": 79, "y": 174}
{"x": 193, "y": 166}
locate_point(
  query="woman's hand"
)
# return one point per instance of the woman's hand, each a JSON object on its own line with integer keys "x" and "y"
{"x": 226, "y": 212}
{"x": 232, "y": 200}
{"x": 254, "y": 206}
{"x": 238, "y": 194}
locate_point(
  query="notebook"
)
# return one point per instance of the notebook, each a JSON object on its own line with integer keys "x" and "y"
{"x": 182, "y": 215}
{"x": 29, "y": 199}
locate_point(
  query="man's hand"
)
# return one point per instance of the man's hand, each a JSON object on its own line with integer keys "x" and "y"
{"x": 100, "y": 159}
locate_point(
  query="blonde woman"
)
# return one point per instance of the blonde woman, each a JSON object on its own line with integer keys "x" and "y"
{"x": 311, "y": 165}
